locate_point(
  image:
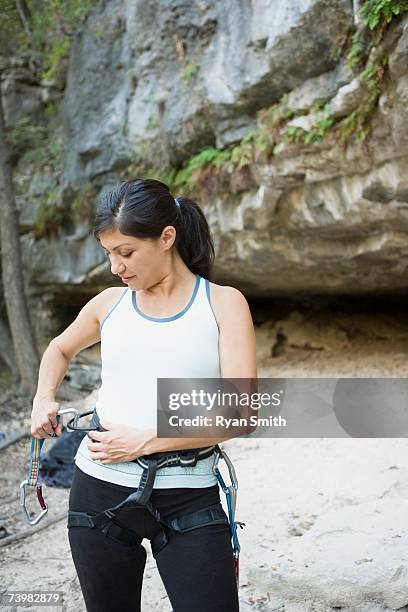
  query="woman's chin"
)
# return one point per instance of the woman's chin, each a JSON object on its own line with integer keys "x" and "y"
{"x": 134, "y": 283}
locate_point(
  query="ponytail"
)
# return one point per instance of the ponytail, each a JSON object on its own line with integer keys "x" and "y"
{"x": 194, "y": 242}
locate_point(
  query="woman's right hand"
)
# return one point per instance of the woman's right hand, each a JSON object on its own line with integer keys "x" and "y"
{"x": 44, "y": 422}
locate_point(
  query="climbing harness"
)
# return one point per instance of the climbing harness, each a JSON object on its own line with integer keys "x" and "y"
{"x": 107, "y": 520}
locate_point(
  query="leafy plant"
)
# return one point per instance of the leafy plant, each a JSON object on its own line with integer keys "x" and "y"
{"x": 357, "y": 50}
{"x": 82, "y": 205}
{"x": 152, "y": 123}
{"x": 51, "y": 217}
{"x": 24, "y": 135}
{"x": 54, "y": 62}
{"x": 357, "y": 123}
{"x": 375, "y": 12}
{"x": 189, "y": 72}
{"x": 42, "y": 145}
{"x": 42, "y": 31}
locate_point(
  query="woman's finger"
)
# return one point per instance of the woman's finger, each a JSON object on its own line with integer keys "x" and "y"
{"x": 40, "y": 433}
{"x": 94, "y": 446}
{"x": 98, "y": 456}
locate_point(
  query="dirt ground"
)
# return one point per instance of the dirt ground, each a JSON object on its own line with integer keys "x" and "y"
{"x": 285, "y": 484}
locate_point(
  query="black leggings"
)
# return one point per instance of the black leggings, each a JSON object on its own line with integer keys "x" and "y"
{"x": 196, "y": 567}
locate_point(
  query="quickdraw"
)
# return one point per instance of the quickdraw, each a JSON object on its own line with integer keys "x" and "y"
{"x": 231, "y": 496}
{"x": 33, "y": 478}
{"x": 33, "y": 481}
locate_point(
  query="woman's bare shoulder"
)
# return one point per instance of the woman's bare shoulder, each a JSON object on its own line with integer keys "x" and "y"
{"x": 106, "y": 299}
{"x": 226, "y": 301}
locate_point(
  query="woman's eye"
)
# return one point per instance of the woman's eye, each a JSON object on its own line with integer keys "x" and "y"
{"x": 127, "y": 255}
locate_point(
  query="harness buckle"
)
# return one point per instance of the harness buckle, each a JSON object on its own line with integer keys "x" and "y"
{"x": 168, "y": 460}
{"x": 188, "y": 459}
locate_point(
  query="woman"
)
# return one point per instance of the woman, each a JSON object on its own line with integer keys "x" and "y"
{"x": 171, "y": 322}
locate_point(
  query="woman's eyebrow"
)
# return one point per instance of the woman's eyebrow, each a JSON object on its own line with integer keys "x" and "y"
{"x": 117, "y": 247}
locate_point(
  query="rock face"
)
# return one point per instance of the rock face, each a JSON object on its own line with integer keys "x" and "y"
{"x": 342, "y": 234}
{"x": 167, "y": 79}
{"x": 156, "y": 82}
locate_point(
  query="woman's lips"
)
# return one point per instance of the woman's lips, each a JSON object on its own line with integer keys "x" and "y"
{"x": 126, "y": 280}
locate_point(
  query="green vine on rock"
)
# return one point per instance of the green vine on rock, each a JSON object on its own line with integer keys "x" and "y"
{"x": 53, "y": 214}
{"x": 82, "y": 207}
{"x": 190, "y": 71}
{"x": 42, "y": 145}
{"x": 42, "y": 32}
{"x": 51, "y": 217}
{"x": 357, "y": 122}
{"x": 376, "y": 12}
{"x": 316, "y": 133}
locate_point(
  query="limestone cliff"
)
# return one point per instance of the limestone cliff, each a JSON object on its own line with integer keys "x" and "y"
{"x": 316, "y": 198}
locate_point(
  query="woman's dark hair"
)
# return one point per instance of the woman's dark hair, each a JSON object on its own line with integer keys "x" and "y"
{"x": 143, "y": 207}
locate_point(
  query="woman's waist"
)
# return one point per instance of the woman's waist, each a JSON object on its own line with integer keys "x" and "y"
{"x": 184, "y": 457}
{"x": 202, "y": 467}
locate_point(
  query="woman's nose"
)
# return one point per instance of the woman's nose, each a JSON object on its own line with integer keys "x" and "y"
{"x": 117, "y": 268}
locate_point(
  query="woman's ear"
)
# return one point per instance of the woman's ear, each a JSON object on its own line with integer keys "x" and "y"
{"x": 168, "y": 236}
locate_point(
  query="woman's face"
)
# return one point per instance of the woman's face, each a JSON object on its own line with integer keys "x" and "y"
{"x": 143, "y": 261}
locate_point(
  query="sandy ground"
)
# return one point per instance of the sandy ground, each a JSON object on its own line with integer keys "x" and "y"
{"x": 285, "y": 484}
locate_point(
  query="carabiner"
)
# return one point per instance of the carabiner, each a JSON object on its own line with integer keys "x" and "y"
{"x": 40, "y": 498}
{"x": 72, "y": 424}
{"x": 219, "y": 452}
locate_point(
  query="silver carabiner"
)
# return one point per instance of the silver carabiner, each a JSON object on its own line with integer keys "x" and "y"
{"x": 231, "y": 470}
{"x": 40, "y": 498}
{"x": 72, "y": 424}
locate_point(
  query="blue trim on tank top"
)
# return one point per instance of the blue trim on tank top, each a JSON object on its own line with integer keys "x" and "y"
{"x": 112, "y": 309}
{"x": 207, "y": 290}
{"x": 174, "y": 317}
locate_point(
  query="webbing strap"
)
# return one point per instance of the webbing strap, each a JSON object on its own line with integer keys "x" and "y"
{"x": 80, "y": 519}
{"x": 212, "y": 514}
{"x": 34, "y": 467}
{"x": 141, "y": 496}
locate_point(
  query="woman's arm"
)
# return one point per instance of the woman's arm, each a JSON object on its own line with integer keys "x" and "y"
{"x": 84, "y": 331}
{"x": 237, "y": 344}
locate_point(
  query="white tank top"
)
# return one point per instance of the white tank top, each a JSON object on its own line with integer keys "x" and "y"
{"x": 136, "y": 349}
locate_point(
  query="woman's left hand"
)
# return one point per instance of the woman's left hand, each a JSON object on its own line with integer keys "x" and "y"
{"x": 118, "y": 443}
